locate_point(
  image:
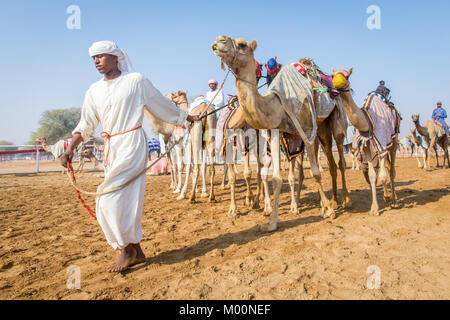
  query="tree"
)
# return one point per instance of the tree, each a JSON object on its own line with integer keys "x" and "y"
{"x": 56, "y": 124}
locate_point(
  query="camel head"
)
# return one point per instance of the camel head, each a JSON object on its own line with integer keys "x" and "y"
{"x": 340, "y": 78}
{"x": 415, "y": 118}
{"x": 179, "y": 97}
{"x": 236, "y": 53}
{"x": 41, "y": 140}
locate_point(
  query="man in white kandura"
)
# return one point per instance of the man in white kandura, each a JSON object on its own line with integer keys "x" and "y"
{"x": 218, "y": 100}
{"x": 117, "y": 101}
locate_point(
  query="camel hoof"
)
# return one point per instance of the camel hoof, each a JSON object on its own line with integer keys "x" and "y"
{"x": 212, "y": 200}
{"x": 249, "y": 200}
{"x": 294, "y": 208}
{"x": 204, "y": 195}
{"x": 267, "y": 210}
{"x": 374, "y": 212}
{"x": 256, "y": 205}
{"x": 181, "y": 197}
{"x": 328, "y": 213}
{"x": 334, "y": 204}
{"x": 232, "y": 213}
{"x": 347, "y": 203}
{"x": 394, "y": 205}
{"x": 268, "y": 227}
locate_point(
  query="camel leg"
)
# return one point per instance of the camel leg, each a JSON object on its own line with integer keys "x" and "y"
{"x": 172, "y": 172}
{"x": 324, "y": 135}
{"x": 291, "y": 180}
{"x": 277, "y": 181}
{"x": 417, "y": 158}
{"x": 372, "y": 175}
{"x": 224, "y": 180}
{"x": 433, "y": 143}
{"x": 256, "y": 198}
{"x": 265, "y": 180}
{"x": 232, "y": 179}
{"x": 204, "y": 193}
{"x": 183, "y": 192}
{"x": 326, "y": 208}
{"x": 444, "y": 147}
{"x": 81, "y": 164}
{"x": 179, "y": 169}
{"x": 346, "y": 202}
{"x": 301, "y": 176}
{"x": 425, "y": 158}
{"x": 212, "y": 171}
{"x": 392, "y": 179}
{"x": 248, "y": 176}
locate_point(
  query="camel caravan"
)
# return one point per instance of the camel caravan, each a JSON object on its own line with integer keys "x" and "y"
{"x": 303, "y": 110}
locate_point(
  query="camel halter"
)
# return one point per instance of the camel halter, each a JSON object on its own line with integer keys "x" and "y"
{"x": 71, "y": 174}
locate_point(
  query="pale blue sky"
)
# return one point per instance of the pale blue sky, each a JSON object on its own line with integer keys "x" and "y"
{"x": 46, "y": 66}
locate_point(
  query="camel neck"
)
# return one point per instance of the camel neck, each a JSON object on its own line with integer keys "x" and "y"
{"x": 354, "y": 113}
{"x": 261, "y": 112}
{"x": 422, "y": 130}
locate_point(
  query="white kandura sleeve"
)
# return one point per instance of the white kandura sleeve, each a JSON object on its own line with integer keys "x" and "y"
{"x": 160, "y": 106}
{"x": 89, "y": 118}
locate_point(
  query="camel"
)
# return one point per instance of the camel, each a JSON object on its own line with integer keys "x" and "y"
{"x": 170, "y": 134}
{"x": 360, "y": 121}
{"x": 267, "y": 112}
{"x": 417, "y": 143}
{"x": 236, "y": 122}
{"x": 200, "y": 147}
{"x": 86, "y": 153}
{"x": 60, "y": 146}
{"x": 433, "y": 134}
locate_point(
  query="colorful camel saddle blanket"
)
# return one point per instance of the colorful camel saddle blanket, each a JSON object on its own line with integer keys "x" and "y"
{"x": 384, "y": 126}
{"x": 246, "y": 142}
{"x": 439, "y": 127}
{"x": 296, "y": 95}
{"x": 154, "y": 145}
{"x": 291, "y": 145}
{"x": 60, "y": 147}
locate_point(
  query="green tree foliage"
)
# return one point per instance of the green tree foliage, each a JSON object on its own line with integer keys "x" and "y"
{"x": 57, "y": 124}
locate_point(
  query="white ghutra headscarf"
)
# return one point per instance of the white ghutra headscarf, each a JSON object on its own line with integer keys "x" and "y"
{"x": 109, "y": 47}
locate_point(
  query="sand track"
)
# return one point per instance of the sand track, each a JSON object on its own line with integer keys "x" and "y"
{"x": 195, "y": 251}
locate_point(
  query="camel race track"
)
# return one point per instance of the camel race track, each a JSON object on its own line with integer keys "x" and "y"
{"x": 196, "y": 251}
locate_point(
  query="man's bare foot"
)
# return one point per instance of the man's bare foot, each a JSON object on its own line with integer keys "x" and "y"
{"x": 129, "y": 256}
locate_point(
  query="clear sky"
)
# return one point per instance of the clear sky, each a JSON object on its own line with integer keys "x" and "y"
{"x": 45, "y": 65}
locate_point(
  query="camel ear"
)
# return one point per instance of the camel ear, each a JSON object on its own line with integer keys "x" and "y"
{"x": 350, "y": 71}
{"x": 253, "y": 45}
{"x": 333, "y": 72}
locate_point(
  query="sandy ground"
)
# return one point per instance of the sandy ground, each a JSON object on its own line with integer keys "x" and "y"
{"x": 195, "y": 251}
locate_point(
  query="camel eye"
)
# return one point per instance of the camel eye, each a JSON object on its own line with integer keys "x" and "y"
{"x": 242, "y": 45}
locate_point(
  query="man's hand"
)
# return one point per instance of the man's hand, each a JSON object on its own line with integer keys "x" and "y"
{"x": 193, "y": 118}
{"x": 66, "y": 158}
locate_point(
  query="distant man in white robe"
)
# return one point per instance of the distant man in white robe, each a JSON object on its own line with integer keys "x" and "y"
{"x": 219, "y": 100}
{"x": 117, "y": 102}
